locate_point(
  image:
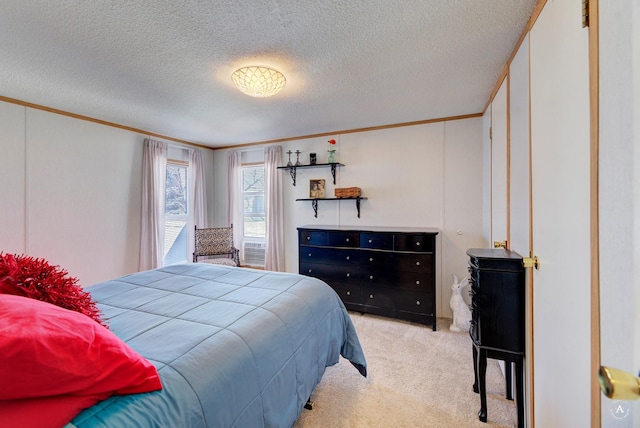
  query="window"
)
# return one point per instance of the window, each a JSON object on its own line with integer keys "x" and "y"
{"x": 175, "y": 213}
{"x": 254, "y": 224}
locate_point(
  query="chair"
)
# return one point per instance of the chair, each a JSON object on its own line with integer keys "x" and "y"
{"x": 212, "y": 244}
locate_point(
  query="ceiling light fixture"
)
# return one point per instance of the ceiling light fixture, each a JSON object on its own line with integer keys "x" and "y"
{"x": 258, "y": 81}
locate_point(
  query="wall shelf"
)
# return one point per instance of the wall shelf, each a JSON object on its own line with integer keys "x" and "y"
{"x": 314, "y": 202}
{"x": 292, "y": 169}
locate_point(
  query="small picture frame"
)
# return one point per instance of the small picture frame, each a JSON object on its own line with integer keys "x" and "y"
{"x": 312, "y": 158}
{"x": 316, "y": 188}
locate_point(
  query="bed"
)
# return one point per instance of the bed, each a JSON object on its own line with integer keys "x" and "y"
{"x": 190, "y": 345}
{"x": 234, "y": 347}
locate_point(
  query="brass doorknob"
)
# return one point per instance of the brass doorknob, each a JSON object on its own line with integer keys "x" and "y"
{"x": 528, "y": 262}
{"x": 500, "y": 244}
{"x": 618, "y": 385}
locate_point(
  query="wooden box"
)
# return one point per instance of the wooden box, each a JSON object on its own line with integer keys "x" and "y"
{"x": 347, "y": 192}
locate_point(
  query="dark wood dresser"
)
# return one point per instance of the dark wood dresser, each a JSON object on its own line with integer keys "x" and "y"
{"x": 497, "y": 279}
{"x": 383, "y": 271}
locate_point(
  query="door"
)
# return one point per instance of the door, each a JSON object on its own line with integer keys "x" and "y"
{"x": 619, "y": 199}
{"x": 520, "y": 189}
{"x": 560, "y": 173}
{"x": 486, "y": 175}
{"x": 499, "y": 166}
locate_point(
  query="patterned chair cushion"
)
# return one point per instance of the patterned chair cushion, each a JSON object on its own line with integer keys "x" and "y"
{"x": 219, "y": 261}
{"x": 215, "y": 242}
{"x": 211, "y": 242}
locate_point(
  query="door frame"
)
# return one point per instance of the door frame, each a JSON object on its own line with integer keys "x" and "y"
{"x": 594, "y": 89}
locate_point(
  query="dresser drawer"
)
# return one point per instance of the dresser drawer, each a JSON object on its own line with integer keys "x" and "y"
{"x": 331, "y": 273}
{"x": 343, "y": 239}
{"x": 313, "y": 237}
{"x": 328, "y": 255}
{"x": 414, "y": 262}
{"x": 407, "y": 301}
{"x": 415, "y": 302}
{"x": 377, "y": 261}
{"x": 422, "y": 243}
{"x": 378, "y": 241}
{"x": 349, "y": 293}
{"x": 414, "y": 281}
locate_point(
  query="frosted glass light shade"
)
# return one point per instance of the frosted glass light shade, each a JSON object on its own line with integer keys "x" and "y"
{"x": 258, "y": 81}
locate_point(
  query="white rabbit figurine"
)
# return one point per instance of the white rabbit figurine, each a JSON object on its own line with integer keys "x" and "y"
{"x": 461, "y": 312}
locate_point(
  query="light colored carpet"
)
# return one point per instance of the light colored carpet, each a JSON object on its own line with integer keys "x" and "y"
{"x": 416, "y": 378}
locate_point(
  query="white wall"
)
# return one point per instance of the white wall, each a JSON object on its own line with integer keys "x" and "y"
{"x": 427, "y": 175}
{"x": 462, "y": 206}
{"x": 12, "y": 179}
{"x": 71, "y": 192}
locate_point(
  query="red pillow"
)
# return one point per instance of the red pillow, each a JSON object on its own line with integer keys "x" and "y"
{"x": 27, "y": 276}
{"x": 50, "y": 354}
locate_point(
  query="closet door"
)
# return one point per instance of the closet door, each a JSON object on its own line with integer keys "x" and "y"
{"x": 560, "y": 150}
{"x": 520, "y": 188}
{"x": 519, "y": 168}
{"x": 619, "y": 200}
{"x": 499, "y": 162}
{"x": 486, "y": 176}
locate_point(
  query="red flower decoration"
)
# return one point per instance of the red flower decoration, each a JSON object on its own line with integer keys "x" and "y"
{"x": 332, "y": 141}
{"x": 36, "y": 278}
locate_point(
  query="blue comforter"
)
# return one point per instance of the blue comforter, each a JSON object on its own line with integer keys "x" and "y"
{"x": 234, "y": 347}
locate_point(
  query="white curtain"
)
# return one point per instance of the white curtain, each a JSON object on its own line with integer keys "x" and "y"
{"x": 274, "y": 208}
{"x": 235, "y": 202}
{"x": 197, "y": 196}
{"x": 154, "y": 165}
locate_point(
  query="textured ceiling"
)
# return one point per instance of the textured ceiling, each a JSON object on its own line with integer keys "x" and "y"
{"x": 165, "y": 66}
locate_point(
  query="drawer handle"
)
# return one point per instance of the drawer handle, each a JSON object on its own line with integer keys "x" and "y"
{"x": 347, "y": 257}
{"x": 309, "y": 254}
{"x": 370, "y": 241}
{"x": 370, "y": 259}
{"x": 308, "y": 238}
{"x": 347, "y": 239}
{"x": 418, "y": 243}
{"x": 309, "y": 270}
{"x": 418, "y": 282}
{"x": 418, "y": 302}
{"x": 348, "y": 293}
{"x": 348, "y": 275}
{"x": 371, "y": 296}
{"x": 417, "y": 263}
{"x": 370, "y": 276}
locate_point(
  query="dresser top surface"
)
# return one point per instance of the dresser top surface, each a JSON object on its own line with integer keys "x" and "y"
{"x": 430, "y": 230}
{"x": 493, "y": 253}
